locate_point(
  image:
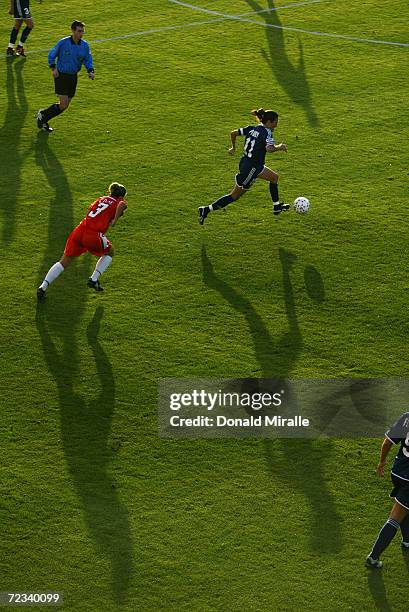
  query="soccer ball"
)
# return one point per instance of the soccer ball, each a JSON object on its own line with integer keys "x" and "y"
{"x": 301, "y": 205}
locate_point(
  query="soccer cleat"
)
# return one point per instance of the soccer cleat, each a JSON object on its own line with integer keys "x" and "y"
{"x": 94, "y": 285}
{"x": 405, "y": 544}
{"x": 373, "y": 563}
{"x": 40, "y": 120}
{"x": 46, "y": 127}
{"x": 20, "y": 50}
{"x": 281, "y": 207}
{"x": 10, "y": 51}
{"x": 203, "y": 212}
{"x": 40, "y": 294}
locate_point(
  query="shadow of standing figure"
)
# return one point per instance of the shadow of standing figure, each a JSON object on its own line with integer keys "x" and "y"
{"x": 300, "y": 463}
{"x": 85, "y": 428}
{"x": 10, "y": 134}
{"x": 291, "y": 78}
{"x": 377, "y": 589}
{"x": 85, "y": 425}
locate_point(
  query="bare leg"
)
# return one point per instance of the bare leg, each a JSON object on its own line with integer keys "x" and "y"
{"x": 272, "y": 177}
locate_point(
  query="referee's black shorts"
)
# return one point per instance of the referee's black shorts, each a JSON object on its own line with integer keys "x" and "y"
{"x": 66, "y": 84}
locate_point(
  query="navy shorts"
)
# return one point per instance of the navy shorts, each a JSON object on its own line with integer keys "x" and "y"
{"x": 248, "y": 173}
{"x": 400, "y": 491}
{"x": 66, "y": 84}
{"x": 21, "y": 9}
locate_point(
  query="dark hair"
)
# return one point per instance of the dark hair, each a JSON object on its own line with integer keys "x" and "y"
{"x": 264, "y": 115}
{"x": 116, "y": 190}
{"x": 77, "y": 24}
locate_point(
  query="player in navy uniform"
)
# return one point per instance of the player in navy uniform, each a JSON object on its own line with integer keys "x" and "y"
{"x": 20, "y": 9}
{"x": 399, "y": 517}
{"x": 259, "y": 141}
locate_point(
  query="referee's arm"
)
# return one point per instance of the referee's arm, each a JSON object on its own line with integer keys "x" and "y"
{"x": 88, "y": 64}
{"x": 52, "y": 56}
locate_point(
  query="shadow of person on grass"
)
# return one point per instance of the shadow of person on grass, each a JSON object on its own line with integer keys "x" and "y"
{"x": 291, "y": 78}
{"x": 85, "y": 428}
{"x": 85, "y": 418}
{"x": 10, "y": 135}
{"x": 300, "y": 463}
{"x": 377, "y": 589}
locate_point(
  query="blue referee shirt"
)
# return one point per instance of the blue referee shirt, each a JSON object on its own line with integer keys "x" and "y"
{"x": 71, "y": 56}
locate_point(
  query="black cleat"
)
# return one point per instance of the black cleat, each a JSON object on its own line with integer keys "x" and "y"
{"x": 40, "y": 120}
{"x": 279, "y": 208}
{"x": 373, "y": 563}
{"x": 46, "y": 127}
{"x": 10, "y": 51}
{"x": 203, "y": 212}
{"x": 20, "y": 50}
{"x": 94, "y": 285}
{"x": 40, "y": 294}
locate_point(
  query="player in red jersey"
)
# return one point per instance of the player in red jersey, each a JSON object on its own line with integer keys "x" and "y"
{"x": 89, "y": 235}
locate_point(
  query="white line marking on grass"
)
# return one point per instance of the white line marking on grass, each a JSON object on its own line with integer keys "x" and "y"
{"x": 183, "y": 25}
{"x": 268, "y": 10}
{"x": 141, "y": 33}
{"x": 241, "y": 17}
{"x": 279, "y": 27}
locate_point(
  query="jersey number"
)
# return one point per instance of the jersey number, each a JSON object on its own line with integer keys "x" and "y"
{"x": 405, "y": 450}
{"x": 101, "y": 206}
{"x": 249, "y": 146}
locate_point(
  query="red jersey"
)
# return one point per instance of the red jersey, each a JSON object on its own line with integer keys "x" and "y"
{"x": 101, "y": 213}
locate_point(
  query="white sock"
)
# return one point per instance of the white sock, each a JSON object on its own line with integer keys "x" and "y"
{"x": 52, "y": 274}
{"x": 102, "y": 264}
{"x": 11, "y": 46}
{"x": 211, "y": 207}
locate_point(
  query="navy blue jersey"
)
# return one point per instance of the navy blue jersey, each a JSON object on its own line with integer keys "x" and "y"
{"x": 399, "y": 434}
{"x": 257, "y": 138}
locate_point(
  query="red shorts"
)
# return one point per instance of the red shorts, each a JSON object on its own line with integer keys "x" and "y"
{"x": 82, "y": 240}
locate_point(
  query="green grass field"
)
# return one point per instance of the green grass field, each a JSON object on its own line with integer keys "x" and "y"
{"x": 93, "y": 503}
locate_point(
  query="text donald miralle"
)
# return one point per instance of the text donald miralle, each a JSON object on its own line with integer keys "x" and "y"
{"x": 199, "y": 400}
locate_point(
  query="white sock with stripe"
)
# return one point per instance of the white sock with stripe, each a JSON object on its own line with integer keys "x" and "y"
{"x": 52, "y": 274}
{"x": 102, "y": 264}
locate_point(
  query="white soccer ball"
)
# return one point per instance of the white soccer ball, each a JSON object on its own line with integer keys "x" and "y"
{"x": 301, "y": 205}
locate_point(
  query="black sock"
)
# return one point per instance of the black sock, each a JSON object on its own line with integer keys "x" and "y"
{"x": 404, "y": 527}
{"x": 51, "y": 111}
{"x": 13, "y": 36}
{"x": 222, "y": 202}
{"x": 24, "y": 35}
{"x": 274, "y": 192}
{"x": 385, "y": 537}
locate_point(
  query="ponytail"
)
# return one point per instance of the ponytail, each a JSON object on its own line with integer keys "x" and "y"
{"x": 264, "y": 115}
{"x": 259, "y": 113}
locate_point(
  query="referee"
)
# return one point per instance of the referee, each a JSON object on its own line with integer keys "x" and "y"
{"x": 71, "y": 52}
